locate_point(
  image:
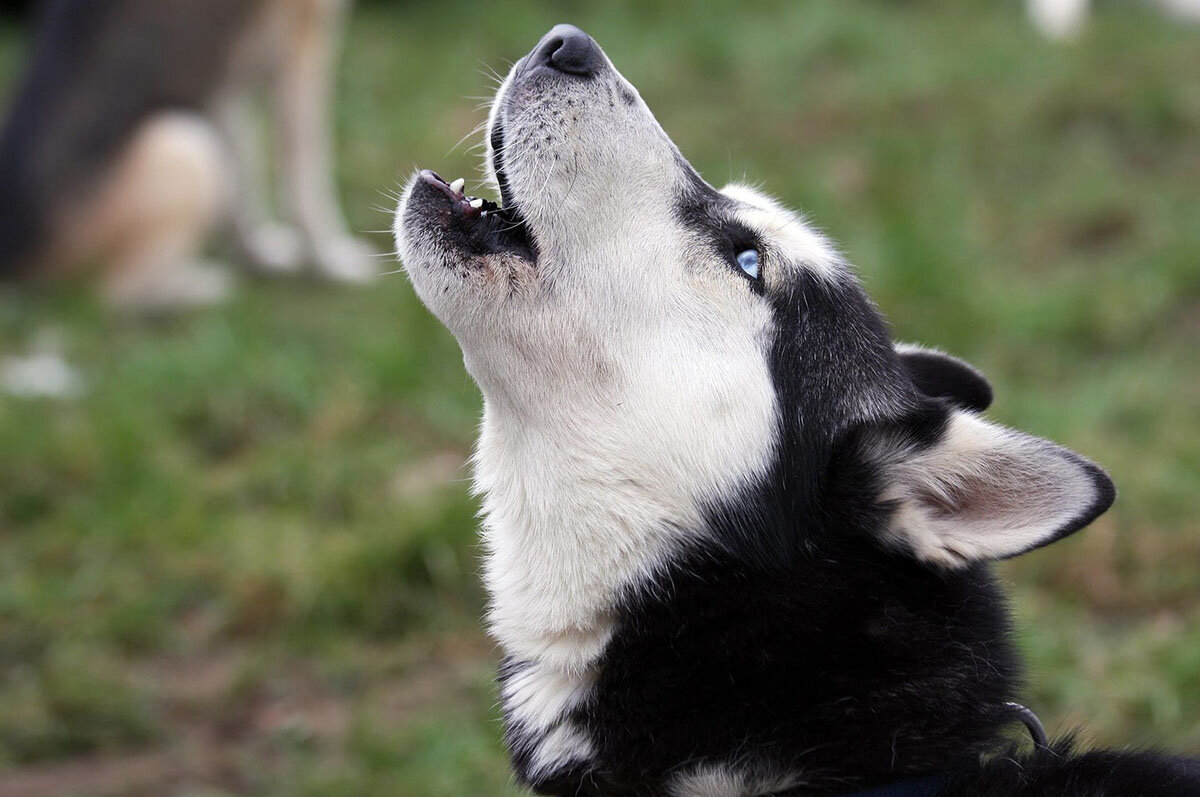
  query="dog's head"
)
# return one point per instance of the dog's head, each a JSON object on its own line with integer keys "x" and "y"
{"x": 692, "y": 349}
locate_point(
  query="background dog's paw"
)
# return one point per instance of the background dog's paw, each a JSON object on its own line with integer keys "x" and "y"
{"x": 274, "y": 249}
{"x": 346, "y": 259}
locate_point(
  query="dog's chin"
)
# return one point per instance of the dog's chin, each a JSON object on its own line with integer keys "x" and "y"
{"x": 466, "y": 232}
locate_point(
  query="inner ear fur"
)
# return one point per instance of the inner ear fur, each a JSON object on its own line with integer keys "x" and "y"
{"x": 964, "y": 490}
{"x": 939, "y": 375}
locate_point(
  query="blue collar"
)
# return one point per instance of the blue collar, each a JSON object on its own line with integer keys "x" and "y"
{"x": 917, "y": 787}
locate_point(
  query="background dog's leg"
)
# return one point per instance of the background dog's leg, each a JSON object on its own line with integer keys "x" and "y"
{"x": 303, "y": 122}
{"x": 154, "y": 213}
{"x": 266, "y": 246}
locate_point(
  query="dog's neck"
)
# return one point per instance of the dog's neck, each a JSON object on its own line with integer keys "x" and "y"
{"x": 566, "y": 529}
{"x": 589, "y": 491}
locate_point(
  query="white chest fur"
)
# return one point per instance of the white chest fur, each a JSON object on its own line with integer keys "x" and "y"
{"x": 591, "y": 497}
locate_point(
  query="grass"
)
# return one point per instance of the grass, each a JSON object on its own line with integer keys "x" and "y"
{"x": 243, "y": 562}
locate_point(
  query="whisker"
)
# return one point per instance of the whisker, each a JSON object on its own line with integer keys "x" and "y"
{"x": 479, "y": 127}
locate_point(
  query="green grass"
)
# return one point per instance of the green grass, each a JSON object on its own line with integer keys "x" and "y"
{"x": 244, "y": 561}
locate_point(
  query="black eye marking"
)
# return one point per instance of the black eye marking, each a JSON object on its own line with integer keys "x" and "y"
{"x": 712, "y": 215}
{"x": 743, "y": 249}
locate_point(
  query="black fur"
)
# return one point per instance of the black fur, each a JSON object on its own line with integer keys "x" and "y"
{"x": 858, "y": 677}
{"x": 798, "y": 641}
{"x": 937, "y": 374}
{"x": 1062, "y": 770}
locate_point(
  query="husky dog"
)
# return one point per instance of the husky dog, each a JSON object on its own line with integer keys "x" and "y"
{"x": 132, "y": 134}
{"x": 738, "y": 542}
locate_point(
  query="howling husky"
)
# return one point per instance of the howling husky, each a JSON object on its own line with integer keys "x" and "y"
{"x": 738, "y": 542}
{"x": 132, "y": 134}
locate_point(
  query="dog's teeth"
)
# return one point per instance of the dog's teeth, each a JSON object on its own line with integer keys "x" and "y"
{"x": 457, "y": 185}
{"x": 477, "y": 203}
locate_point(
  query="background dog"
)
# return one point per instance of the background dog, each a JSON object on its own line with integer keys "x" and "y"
{"x": 133, "y": 134}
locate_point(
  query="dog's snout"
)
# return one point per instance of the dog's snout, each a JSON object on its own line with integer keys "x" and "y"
{"x": 568, "y": 49}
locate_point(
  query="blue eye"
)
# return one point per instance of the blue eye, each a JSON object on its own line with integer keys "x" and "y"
{"x": 748, "y": 262}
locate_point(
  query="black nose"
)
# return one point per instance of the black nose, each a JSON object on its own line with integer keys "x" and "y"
{"x": 568, "y": 49}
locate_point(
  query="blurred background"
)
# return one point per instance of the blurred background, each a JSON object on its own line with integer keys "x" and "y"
{"x": 242, "y": 559}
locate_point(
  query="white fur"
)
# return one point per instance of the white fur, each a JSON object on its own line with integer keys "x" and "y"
{"x": 559, "y": 748}
{"x": 587, "y": 494}
{"x": 713, "y": 781}
{"x": 538, "y": 696}
{"x": 537, "y": 699}
{"x": 983, "y": 492}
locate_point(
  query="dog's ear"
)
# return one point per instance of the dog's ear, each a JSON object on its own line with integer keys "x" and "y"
{"x": 941, "y": 376}
{"x": 963, "y": 490}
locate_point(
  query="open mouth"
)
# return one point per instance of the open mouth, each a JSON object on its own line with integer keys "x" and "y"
{"x": 485, "y": 227}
